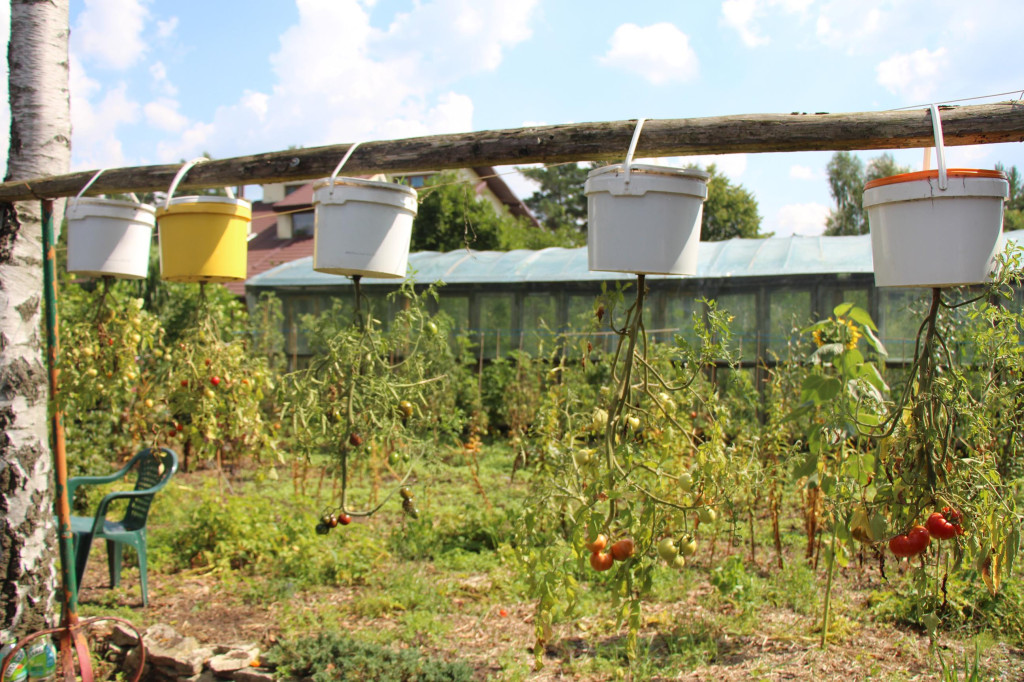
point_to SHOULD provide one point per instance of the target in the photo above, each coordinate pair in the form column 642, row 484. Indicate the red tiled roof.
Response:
column 266, row 251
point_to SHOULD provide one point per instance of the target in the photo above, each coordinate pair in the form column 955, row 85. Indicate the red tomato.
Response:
column 601, row 561
column 898, row 546
column 215, row 380
column 941, row 528
column 918, row 540
column 344, row 519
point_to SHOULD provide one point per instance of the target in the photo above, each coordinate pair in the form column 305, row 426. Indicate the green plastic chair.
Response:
column 153, row 468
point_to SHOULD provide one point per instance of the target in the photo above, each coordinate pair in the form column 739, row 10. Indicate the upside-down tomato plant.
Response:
column 620, row 476
column 375, row 401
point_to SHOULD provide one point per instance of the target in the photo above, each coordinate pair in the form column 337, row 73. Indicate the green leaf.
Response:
column 861, row 317
column 819, row 389
column 850, row 362
column 807, row 467
column 879, row 527
column 875, row 342
column 870, row 373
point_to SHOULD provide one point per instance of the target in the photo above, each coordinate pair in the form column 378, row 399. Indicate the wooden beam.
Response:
column 607, row 141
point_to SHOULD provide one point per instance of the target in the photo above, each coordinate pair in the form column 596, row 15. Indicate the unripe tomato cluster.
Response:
column 332, row 520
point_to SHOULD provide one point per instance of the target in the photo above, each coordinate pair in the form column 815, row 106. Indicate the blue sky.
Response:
column 155, row 82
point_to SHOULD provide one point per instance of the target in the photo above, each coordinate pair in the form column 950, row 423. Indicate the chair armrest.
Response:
column 76, row 481
column 101, row 511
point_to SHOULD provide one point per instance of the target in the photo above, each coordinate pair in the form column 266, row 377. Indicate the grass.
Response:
column 438, row 586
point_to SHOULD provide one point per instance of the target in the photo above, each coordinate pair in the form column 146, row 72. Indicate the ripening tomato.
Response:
column 598, row 543
column 355, row 440
column 344, row 519
column 601, row 561
column 623, row 549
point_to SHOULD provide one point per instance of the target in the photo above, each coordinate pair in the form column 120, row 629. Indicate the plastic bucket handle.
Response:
column 628, row 165
column 344, row 160
column 940, row 151
column 94, row 179
column 181, row 174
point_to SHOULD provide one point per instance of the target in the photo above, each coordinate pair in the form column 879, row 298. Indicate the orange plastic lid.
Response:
column 929, row 174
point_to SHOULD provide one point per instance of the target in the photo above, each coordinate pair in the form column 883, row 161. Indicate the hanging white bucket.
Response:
column 924, row 236
column 645, row 219
column 109, row 237
column 363, row 227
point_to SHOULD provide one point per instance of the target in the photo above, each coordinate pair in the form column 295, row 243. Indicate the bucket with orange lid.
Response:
column 935, row 228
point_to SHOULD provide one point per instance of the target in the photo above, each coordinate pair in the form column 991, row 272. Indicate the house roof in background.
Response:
column 266, row 251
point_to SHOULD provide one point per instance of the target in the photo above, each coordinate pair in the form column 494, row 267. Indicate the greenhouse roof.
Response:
column 775, row 256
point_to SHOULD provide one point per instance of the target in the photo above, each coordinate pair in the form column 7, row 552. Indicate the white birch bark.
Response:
column 40, row 144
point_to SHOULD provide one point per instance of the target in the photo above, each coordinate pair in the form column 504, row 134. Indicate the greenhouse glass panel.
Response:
column 496, row 328
column 743, row 308
column 788, row 313
column 582, row 317
column 539, row 323
column 901, row 312
column 457, row 308
column 679, row 312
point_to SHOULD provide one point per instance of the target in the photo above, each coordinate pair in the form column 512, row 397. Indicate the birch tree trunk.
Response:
column 40, row 144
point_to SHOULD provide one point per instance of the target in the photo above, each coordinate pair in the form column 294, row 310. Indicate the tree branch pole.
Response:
column 603, row 141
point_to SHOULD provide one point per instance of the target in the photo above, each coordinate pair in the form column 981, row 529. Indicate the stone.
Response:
column 253, row 675
column 165, row 648
column 236, row 659
column 123, row 636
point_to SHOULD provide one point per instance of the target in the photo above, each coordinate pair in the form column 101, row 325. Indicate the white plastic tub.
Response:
column 923, row 236
column 109, row 237
column 645, row 219
column 363, row 227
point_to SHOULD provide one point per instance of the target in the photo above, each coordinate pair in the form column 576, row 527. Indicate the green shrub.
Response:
column 332, row 657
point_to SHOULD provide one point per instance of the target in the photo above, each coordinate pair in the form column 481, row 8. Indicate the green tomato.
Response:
column 583, row 457
column 667, row 550
column 707, row 515
column 686, row 482
column 688, row 545
column 678, row 563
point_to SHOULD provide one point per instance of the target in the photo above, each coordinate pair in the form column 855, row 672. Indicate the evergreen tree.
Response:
column 559, row 203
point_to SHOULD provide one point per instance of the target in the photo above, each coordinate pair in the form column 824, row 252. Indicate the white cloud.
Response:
column 161, row 83
column 916, row 76
column 166, row 28
column 800, row 219
column 455, row 37
column 731, row 165
column 802, row 173
column 95, row 125
column 163, row 114
column 340, row 79
column 660, row 53
column 739, row 14
column 744, row 16
column 110, row 32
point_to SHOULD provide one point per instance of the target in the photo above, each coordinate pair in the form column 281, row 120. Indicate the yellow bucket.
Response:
column 204, row 239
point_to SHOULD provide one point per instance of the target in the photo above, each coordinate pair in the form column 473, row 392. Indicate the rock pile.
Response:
column 172, row 657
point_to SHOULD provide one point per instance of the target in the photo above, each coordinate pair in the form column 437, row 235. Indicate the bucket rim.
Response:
column 326, row 183
column 209, row 199
column 651, row 169
column 75, row 202
column 934, row 175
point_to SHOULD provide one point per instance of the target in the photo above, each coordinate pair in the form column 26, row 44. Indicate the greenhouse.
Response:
column 522, row 299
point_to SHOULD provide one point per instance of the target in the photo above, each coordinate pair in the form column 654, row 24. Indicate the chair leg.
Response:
column 82, row 547
column 115, row 551
column 142, row 572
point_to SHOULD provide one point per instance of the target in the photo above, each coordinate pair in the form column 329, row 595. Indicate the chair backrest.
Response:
column 153, row 469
